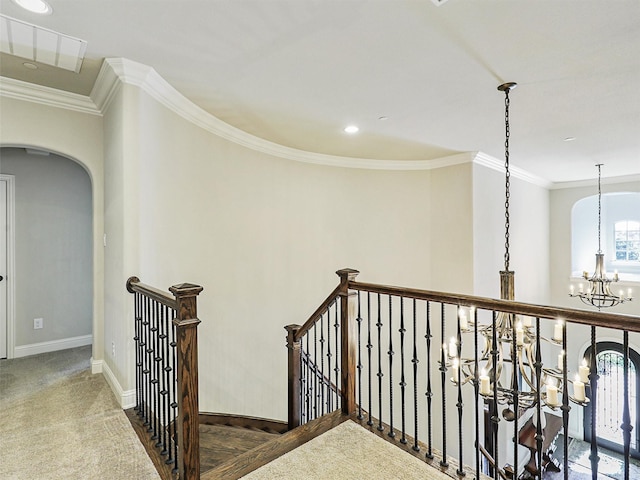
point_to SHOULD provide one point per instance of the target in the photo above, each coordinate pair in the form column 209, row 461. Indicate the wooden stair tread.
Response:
column 220, row 443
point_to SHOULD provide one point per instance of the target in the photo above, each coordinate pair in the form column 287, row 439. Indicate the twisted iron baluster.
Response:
column 626, row 417
column 593, row 380
column 538, row 367
column 165, row 371
column 174, row 398
column 136, row 338
column 369, row 347
column 476, row 388
column 309, row 379
column 359, row 366
column 429, row 393
column 415, row 362
column 380, row 374
column 391, row 433
column 323, row 382
column 403, row 384
column 443, row 377
column 459, row 404
column 515, row 388
column 336, row 325
column 155, row 355
column 315, row 372
column 329, row 355
column 565, row 403
column 495, row 419
column 147, row 365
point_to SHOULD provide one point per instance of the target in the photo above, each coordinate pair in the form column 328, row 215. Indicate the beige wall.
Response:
column 74, row 135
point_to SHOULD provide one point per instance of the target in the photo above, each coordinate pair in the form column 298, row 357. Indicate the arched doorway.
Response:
column 610, row 399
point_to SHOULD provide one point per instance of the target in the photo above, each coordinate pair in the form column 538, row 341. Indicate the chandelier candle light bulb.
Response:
column 485, row 386
column 519, row 334
column 578, row 389
column 557, row 331
column 583, row 371
column 464, row 325
column 456, row 366
column 453, row 350
column 552, row 393
column 561, row 360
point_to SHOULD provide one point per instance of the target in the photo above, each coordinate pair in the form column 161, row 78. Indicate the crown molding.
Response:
column 591, row 182
column 52, row 97
column 495, row 164
column 147, row 79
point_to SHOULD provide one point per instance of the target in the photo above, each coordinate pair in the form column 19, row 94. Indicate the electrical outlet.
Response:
column 38, row 323
column 113, row 349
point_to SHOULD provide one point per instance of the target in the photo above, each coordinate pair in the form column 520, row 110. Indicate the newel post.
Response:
column 294, row 348
column 186, row 323
column 348, row 333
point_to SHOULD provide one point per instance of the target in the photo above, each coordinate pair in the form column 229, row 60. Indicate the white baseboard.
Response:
column 96, row 366
column 126, row 398
column 52, row 346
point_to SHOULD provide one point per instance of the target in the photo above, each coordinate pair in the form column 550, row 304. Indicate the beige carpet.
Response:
column 57, row 421
column 347, row 452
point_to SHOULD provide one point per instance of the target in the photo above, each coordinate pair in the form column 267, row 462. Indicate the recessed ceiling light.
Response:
column 36, row 6
column 30, row 66
column 351, row 129
column 569, row 139
column 383, row 118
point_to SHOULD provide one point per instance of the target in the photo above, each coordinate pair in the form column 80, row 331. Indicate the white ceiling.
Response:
column 297, row 71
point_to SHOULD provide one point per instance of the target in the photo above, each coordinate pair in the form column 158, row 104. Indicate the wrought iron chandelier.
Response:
column 511, row 347
column 598, row 294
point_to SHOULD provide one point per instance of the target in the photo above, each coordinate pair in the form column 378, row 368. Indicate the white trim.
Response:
column 591, row 182
column 498, row 165
column 96, row 366
column 52, row 346
column 11, row 262
column 126, row 398
column 52, row 97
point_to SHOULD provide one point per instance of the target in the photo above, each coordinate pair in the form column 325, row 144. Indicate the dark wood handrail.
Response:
column 134, row 285
column 306, row 326
column 573, row 315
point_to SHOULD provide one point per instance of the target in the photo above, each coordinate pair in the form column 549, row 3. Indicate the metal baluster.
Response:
column 495, row 419
column 515, row 388
column 459, row 404
column 476, row 387
column 359, row 366
column 136, row 338
column 429, row 393
column 403, row 384
column 565, row 403
column 303, row 383
column 155, row 370
column 538, row 367
column 415, row 362
column 322, row 378
column 593, row 381
column 369, row 347
column 165, row 371
column 147, row 364
column 336, row 325
column 329, row 355
column 309, row 379
column 443, row 377
column 380, row 374
column 626, row 417
column 174, row 399
column 315, row 372
column 391, row 433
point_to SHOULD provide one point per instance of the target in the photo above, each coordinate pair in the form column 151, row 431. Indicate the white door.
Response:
column 4, row 300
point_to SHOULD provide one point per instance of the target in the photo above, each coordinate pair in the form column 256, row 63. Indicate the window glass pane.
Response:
column 634, row 255
column 621, row 255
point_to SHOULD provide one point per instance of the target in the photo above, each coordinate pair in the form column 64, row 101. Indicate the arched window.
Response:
column 610, row 400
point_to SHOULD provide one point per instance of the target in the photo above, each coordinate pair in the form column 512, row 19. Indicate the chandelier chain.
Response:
column 507, row 181
column 599, row 207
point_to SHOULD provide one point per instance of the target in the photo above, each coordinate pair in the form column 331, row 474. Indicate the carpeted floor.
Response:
column 58, row 421
column 347, row 452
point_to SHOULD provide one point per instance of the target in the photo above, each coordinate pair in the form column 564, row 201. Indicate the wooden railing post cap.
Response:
column 347, row 274
column 131, row 280
column 292, row 328
column 185, row 290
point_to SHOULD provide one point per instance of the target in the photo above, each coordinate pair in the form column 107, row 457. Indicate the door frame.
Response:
column 11, row 265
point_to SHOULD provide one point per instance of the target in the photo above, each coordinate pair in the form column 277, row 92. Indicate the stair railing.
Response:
column 378, row 343
column 166, row 351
